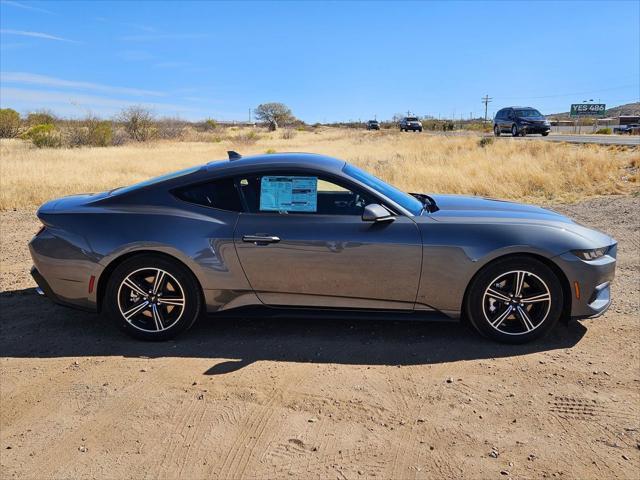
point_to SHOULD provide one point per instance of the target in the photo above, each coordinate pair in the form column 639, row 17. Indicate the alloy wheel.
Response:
column 151, row 299
column 516, row 302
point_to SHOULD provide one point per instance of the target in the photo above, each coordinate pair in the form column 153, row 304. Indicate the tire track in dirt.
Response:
column 249, row 440
column 62, row 452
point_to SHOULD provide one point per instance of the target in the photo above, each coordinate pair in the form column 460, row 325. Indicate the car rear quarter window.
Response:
column 221, row 194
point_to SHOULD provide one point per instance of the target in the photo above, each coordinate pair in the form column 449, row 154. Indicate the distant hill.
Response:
column 627, row 109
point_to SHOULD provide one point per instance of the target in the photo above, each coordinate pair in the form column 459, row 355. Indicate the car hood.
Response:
column 468, row 209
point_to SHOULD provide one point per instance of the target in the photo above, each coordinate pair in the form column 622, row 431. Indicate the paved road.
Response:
column 629, row 140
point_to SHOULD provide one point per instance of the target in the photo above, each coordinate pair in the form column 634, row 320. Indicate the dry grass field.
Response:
column 303, row 398
column 533, row 170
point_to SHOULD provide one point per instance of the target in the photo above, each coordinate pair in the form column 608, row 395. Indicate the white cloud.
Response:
column 25, row 7
column 135, row 55
column 77, row 104
column 164, row 36
column 45, row 36
column 43, row 80
column 171, row 64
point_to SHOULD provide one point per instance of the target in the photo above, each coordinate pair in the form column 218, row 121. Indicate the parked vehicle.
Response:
column 631, row 129
column 410, row 123
column 373, row 125
column 315, row 233
column 520, row 121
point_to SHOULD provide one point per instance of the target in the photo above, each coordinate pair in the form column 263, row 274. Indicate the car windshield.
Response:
column 403, row 199
column 152, row 181
column 528, row 112
column 412, row 119
column 373, row 121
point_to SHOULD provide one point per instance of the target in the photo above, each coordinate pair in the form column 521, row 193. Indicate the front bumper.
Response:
column 535, row 128
column 590, row 282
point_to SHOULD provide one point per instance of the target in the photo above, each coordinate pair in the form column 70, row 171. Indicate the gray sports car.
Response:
column 309, row 232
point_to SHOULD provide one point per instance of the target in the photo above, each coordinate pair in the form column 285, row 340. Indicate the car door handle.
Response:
column 258, row 239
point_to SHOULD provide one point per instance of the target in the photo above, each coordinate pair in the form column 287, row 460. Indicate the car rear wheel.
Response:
column 514, row 300
column 514, row 130
column 152, row 297
column 496, row 130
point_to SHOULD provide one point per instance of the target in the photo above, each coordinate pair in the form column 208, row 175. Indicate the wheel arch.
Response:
column 564, row 281
column 104, row 277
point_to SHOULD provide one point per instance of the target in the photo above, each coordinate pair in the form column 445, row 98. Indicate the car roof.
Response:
column 276, row 160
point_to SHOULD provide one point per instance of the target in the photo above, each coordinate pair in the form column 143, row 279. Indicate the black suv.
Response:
column 373, row 125
column 410, row 123
column 520, row 121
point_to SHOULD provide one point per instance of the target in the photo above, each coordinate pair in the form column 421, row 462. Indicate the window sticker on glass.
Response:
column 288, row 194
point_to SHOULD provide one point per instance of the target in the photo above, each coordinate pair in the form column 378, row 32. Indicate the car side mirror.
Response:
column 376, row 213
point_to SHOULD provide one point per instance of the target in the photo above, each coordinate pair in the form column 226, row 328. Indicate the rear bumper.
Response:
column 45, row 289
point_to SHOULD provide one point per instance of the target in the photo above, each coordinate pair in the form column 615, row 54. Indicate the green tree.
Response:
column 9, row 123
column 274, row 114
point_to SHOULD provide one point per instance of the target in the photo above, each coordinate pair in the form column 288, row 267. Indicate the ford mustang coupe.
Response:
column 306, row 231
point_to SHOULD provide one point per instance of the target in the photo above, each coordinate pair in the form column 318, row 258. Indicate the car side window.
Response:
column 300, row 194
column 221, row 194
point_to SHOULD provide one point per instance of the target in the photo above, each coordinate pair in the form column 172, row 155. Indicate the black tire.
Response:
column 175, row 282
column 496, row 130
column 544, row 134
column 514, row 130
column 538, row 317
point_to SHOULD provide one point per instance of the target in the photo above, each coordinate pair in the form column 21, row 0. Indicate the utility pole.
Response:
column 249, row 114
column 486, row 100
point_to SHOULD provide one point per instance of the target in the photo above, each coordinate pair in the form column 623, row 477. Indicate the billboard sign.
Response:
column 587, row 109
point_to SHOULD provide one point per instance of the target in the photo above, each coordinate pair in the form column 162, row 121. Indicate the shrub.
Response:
column 44, row 136
column 91, row 132
column 603, row 131
column 270, row 150
column 42, row 117
column 138, row 123
column 485, row 141
column 248, row 138
column 9, row 123
column 170, row 128
column 288, row 133
column 210, row 124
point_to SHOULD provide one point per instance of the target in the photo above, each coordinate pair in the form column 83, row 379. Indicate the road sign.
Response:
column 587, row 109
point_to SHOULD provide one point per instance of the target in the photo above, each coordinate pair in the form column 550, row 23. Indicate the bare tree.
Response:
column 138, row 122
column 274, row 114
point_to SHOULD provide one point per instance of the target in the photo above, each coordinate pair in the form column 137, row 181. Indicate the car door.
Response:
column 302, row 242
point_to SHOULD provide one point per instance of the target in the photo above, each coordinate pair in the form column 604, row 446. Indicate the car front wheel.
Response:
column 496, row 131
column 514, row 300
column 152, row 297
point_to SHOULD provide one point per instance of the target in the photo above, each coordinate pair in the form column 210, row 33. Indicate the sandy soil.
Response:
column 318, row 399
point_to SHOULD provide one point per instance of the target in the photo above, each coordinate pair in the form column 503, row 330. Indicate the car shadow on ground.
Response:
column 33, row 327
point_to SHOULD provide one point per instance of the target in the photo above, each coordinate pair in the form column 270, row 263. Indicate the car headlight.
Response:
column 592, row 254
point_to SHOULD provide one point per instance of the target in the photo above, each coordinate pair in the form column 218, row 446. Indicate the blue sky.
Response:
column 327, row 61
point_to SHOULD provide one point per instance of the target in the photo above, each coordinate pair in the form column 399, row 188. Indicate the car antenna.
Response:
column 233, row 155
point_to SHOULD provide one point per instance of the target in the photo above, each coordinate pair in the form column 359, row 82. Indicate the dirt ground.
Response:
column 316, row 398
